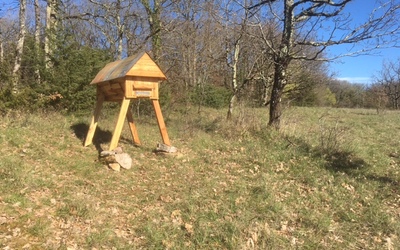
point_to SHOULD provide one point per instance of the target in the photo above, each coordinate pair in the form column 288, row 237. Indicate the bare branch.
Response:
column 313, row 10
column 260, row 4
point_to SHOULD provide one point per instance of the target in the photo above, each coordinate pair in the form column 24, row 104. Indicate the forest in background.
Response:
column 215, row 53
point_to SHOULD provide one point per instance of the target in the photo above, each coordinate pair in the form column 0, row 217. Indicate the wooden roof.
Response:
column 137, row 65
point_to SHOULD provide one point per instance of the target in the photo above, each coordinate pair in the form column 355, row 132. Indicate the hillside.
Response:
column 330, row 179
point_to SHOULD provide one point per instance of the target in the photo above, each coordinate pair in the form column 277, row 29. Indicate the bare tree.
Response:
column 52, row 16
column 20, row 44
column 377, row 98
column 8, row 33
column 235, row 24
column 320, row 24
column 1, row 46
column 244, row 59
column 153, row 10
column 194, row 45
column 113, row 25
column 389, row 79
column 37, row 38
column 184, row 40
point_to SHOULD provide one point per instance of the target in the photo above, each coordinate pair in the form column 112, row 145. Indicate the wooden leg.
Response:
column 120, row 123
column 161, row 124
column 95, row 119
column 132, row 126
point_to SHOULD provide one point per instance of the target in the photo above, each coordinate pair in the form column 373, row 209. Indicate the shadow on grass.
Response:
column 344, row 161
column 354, row 166
column 385, row 180
column 341, row 161
column 100, row 136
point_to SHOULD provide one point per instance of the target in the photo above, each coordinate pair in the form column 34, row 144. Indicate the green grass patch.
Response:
column 329, row 179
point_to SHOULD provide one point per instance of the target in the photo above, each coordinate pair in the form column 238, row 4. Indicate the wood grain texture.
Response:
column 137, row 65
column 161, row 124
column 120, row 123
column 94, row 120
column 132, row 127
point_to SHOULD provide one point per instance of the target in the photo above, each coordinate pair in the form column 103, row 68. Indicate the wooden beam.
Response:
column 161, row 124
column 132, row 126
column 95, row 119
column 118, row 128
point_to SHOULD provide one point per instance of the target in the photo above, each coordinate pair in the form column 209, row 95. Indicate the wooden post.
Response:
column 132, row 126
column 95, row 119
column 120, row 123
column 161, row 124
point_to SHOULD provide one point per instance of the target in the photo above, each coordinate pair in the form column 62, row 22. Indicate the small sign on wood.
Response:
column 134, row 77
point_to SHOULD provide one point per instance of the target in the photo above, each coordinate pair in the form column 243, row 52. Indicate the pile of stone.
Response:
column 116, row 159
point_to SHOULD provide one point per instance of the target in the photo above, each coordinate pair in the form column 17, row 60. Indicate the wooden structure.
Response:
column 134, row 77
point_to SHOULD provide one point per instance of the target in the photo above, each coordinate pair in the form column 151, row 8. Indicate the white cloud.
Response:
column 363, row 80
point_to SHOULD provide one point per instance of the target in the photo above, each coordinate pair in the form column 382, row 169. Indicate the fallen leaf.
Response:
column 189, row 229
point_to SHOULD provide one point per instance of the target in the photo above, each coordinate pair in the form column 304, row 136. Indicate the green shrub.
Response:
column 210, row 96
column 75, row 66
column 65, row 86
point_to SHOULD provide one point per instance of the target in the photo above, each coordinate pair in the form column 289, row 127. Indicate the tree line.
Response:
column 215, row 53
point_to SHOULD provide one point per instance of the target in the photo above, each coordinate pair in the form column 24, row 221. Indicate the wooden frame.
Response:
column 131, row 78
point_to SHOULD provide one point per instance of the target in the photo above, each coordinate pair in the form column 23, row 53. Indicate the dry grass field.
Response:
column 328, row 180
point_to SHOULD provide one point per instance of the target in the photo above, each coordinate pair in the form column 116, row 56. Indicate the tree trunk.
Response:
column 154, row 19
column 265, row 91
column 231, row 106
column 51, row 24
column 37, row 39
column 234, row 78
column 282, row 60
column 1, row 49
column 155, row 28
column 275, row 110
column 121, row 31
column 20, row 44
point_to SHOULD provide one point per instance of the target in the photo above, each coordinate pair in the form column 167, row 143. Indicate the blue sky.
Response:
column 362, row 68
